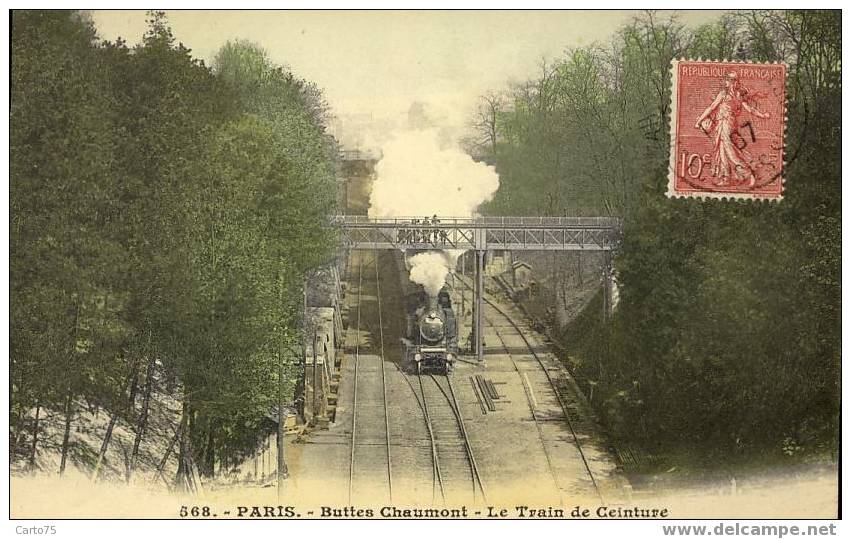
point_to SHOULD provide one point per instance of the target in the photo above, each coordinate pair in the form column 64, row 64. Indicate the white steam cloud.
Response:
column 417, row 177
column 420, row 177
column 430, row 269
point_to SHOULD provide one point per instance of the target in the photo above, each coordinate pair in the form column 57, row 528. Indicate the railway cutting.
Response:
column 479, row 432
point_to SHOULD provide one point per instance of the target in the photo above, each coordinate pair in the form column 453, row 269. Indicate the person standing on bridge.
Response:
column 415, row 232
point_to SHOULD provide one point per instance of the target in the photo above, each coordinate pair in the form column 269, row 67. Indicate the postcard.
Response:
column 422, row 265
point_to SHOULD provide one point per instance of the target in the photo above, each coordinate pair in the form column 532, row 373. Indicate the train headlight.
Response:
column 417, row 357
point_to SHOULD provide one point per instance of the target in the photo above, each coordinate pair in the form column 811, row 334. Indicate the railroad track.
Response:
column 454, row 464
column 437, row 476
column 455, row 474
column 527, row 390
column 553, row 387
column 370, row 439
column 454, row 468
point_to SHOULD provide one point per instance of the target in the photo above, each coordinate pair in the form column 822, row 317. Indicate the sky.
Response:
column 373, row 65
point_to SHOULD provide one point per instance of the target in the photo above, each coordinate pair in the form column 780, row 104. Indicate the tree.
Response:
column 729, row 313
column 487, row 123
column 163, row 218
column 64, row 261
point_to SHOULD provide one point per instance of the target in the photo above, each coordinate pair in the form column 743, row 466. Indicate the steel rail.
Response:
column 436, row 478
column 468, row 448
column 383, row 380
column 558, row 397
column 463, row 426
column 435, row 467
column 527, row 391
column 554, row 388
column 355, row 390
column 435, row 456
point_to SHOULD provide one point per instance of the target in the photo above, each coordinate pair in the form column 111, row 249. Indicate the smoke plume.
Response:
column 422, row 174
column 417, row 177
column 430, row 270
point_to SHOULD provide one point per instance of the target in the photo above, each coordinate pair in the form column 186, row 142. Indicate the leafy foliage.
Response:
column 726, row 338
column 163, row 214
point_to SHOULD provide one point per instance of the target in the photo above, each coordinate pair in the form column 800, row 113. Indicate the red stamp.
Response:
column 728, row 124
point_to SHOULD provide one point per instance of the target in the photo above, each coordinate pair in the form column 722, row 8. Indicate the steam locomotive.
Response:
column 432, row 332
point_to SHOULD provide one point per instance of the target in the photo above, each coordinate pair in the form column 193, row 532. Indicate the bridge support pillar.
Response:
column 478, row 314
column 607, row 285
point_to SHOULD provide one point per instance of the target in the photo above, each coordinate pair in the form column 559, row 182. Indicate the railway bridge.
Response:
column 482, row 234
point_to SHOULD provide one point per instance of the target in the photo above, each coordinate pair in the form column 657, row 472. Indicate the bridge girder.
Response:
column 481, row 234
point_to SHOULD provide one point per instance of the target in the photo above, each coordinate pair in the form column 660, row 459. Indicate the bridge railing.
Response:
column 478, row 222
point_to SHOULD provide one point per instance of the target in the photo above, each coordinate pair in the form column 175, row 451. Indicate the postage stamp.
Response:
column 728, row 122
